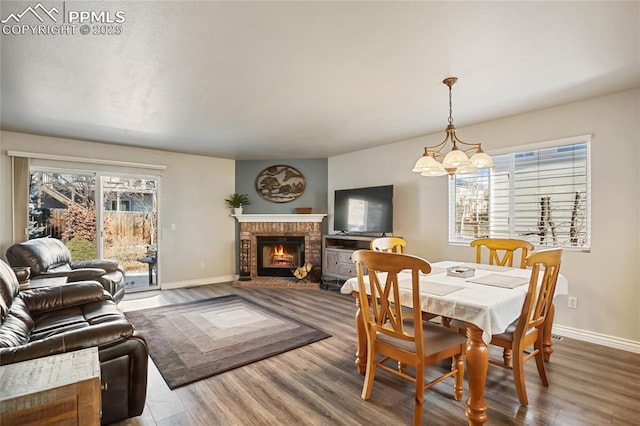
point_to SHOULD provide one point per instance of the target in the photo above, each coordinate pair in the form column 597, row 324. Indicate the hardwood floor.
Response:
column 318, row 384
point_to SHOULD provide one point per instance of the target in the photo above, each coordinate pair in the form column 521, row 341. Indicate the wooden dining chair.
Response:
column 393, row 342
column 388, row 244
column 501, row 253
column 502, row 250
column 527, row 330
column 396, row 245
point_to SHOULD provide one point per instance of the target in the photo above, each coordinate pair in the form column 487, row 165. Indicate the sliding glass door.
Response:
column 100, row 216
column 130, row 227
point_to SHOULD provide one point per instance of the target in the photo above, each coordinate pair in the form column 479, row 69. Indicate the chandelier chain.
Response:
column 450, row 107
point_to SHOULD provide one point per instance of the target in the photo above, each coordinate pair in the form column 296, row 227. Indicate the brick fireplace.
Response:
column 304, row 226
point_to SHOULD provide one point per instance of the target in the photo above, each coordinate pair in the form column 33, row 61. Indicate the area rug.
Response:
column 275, row 282
column 195, row 340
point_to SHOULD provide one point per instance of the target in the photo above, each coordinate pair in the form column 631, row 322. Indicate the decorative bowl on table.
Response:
column 461, row 271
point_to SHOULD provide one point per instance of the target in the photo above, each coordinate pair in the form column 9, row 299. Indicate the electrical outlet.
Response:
column 202, row 265
column 572, row 302
column 173, row 226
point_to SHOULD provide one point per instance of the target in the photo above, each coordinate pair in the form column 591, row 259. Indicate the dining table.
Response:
column 487, row 298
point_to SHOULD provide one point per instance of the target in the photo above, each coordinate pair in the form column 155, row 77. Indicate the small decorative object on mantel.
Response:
column 280, row 184
column 303, row 210
column 236, row 201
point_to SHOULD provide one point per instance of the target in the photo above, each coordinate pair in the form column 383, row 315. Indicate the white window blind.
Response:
column 539, row 195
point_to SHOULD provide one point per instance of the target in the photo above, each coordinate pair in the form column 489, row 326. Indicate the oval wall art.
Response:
column 280, row 184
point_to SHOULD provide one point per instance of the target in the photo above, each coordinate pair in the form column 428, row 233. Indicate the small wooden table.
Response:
column 60, row 389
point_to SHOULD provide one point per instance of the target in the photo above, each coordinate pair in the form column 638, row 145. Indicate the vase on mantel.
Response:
column 237, row 211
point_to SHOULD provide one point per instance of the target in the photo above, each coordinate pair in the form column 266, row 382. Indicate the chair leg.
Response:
column 419, row 398
column 518, row 377
column 507, row 355
column 446, row 321
column 458, row 364
column 539, row 346
column 370, row 373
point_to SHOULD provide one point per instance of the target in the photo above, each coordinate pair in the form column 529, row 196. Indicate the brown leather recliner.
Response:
column 49, row 257
column 51, row 320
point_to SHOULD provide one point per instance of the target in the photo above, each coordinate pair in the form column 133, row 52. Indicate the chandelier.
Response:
column 434, row 162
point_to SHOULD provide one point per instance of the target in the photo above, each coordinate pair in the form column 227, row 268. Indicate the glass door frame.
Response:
column 99, row 206
column 100, row 214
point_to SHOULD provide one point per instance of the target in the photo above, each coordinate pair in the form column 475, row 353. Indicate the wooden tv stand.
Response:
column 336, row 255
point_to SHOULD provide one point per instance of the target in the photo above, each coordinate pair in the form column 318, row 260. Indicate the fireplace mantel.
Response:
column 279, row 217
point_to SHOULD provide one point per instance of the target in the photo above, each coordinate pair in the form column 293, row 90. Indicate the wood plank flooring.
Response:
column 318, row 384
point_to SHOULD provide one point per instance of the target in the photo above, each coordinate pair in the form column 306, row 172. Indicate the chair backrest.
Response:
column 501, row 250
column 545, row 267
column 382, row 312
column 41, row 255
column 388, row 244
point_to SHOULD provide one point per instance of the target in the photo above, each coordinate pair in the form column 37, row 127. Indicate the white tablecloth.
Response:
column 491, row 308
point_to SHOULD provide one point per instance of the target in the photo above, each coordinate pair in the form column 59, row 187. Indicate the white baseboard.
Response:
column 597, row 338
column 198, row 282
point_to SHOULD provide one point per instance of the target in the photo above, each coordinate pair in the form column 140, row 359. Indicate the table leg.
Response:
column 547, row 342
column 150, row 273
column 361, row 351
column 477, row 367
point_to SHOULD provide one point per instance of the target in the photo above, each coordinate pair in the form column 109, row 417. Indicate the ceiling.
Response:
column 274, row 80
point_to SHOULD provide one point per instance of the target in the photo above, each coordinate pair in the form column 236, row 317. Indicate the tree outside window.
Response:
column 539, row 195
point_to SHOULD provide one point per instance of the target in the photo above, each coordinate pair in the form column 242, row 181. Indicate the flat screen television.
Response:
column 364, row 210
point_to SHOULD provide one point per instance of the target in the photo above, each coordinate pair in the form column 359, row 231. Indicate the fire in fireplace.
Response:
column 278, row 255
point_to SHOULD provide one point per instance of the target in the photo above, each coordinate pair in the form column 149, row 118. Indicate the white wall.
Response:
column 192, row 193
column 606, row 281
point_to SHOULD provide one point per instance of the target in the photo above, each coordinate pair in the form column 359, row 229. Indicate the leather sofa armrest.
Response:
column 74, row 274
column 84, row 274
column 51, row 274
column 105, row 334
column 107, row 264
column 62, row 296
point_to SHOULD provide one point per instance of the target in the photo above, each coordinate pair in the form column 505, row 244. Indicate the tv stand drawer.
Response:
column 347, row 270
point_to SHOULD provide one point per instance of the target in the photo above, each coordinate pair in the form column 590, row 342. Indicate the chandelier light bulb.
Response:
column 434, row 173
column 455, row 159
column 482, row 160
column 425, row 162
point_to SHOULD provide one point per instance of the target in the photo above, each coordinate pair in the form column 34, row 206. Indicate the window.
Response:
column 538, row 195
